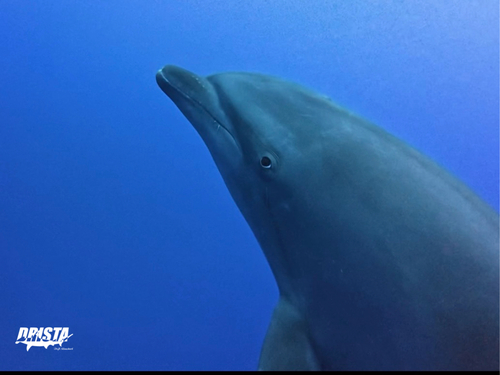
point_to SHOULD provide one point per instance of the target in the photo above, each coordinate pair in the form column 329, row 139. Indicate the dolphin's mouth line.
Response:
column 196, row 102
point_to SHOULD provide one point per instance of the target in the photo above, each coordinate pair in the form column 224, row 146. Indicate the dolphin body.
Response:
column 383, row 260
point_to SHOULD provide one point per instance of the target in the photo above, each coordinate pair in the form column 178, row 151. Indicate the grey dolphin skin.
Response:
column 383, row 260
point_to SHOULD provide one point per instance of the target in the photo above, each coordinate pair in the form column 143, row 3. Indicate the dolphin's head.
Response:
column 260, row 130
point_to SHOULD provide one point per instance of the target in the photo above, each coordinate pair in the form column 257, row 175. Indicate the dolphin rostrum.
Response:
column 383, row 260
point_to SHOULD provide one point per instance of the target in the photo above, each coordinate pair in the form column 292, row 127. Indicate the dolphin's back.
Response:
column 405, row 258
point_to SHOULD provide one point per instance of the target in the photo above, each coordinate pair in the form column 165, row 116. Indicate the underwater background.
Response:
column 114, row 220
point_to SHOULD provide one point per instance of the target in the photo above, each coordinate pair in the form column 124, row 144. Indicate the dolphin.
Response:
column 383, row 260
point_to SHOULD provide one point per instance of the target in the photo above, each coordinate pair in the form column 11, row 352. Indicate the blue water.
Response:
column 114, row 220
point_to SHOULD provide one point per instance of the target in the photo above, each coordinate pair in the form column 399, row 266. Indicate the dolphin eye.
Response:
column 265, row 162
